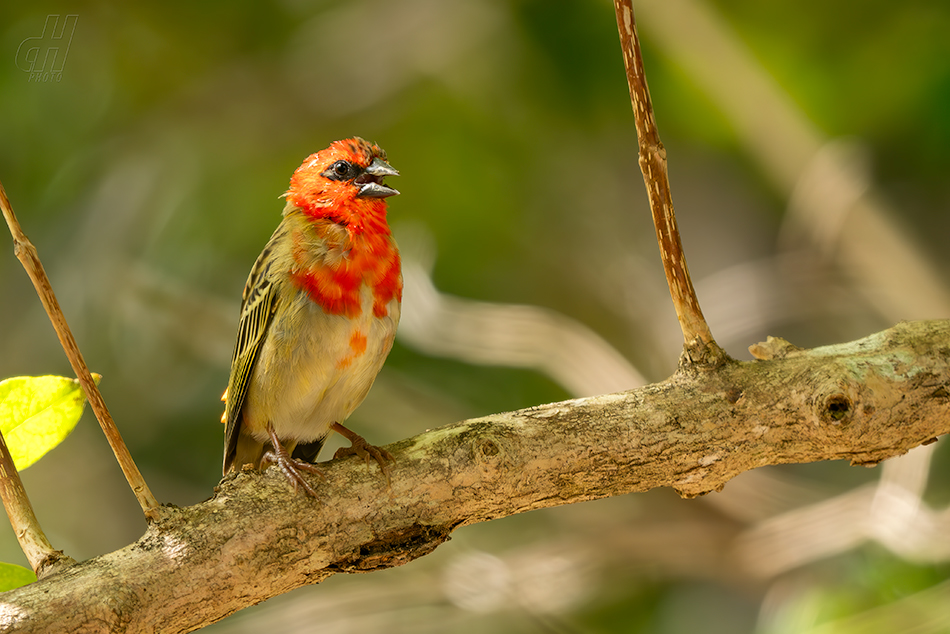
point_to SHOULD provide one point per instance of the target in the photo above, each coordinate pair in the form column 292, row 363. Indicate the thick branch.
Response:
column 863, row 401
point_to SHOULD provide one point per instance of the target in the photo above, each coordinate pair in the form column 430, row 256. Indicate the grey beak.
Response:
column 379, row 167
column 370, row 181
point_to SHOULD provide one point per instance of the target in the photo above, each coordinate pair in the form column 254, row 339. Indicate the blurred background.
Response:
column 808, row 147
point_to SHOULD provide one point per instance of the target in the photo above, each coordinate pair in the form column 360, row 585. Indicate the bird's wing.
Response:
column 257, row 308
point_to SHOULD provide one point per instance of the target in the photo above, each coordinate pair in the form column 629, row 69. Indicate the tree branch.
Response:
column 864, row 401
column 43, row 558
column 698, row 340
column 29, row 258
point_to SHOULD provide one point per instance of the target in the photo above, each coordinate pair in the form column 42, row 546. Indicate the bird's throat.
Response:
column 336, row 282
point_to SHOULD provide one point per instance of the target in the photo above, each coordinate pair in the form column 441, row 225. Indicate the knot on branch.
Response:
column 702, row 354
column 773, row 348
column 837, row 409
column 486, row 448
column 838, row 400
column 55, row 562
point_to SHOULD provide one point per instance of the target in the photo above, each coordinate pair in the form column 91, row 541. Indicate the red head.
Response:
column 344, row 183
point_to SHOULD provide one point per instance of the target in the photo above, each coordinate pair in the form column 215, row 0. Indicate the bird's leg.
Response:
column 290, row 466
column 359, row 447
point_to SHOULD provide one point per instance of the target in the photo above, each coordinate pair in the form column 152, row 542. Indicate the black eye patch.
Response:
column 342, row 171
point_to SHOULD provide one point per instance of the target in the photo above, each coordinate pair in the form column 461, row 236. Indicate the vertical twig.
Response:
column 26, row 253
column 43, row 558
column 696, row 334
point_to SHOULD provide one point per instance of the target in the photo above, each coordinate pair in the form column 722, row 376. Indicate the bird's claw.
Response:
column 359, row 447
column 291, row 467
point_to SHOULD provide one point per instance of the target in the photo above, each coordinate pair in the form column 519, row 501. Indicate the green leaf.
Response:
column 13, row 576
column 37, row 413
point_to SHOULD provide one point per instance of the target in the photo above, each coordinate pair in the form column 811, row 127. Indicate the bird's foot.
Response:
column 291, row 467
column 359, row 447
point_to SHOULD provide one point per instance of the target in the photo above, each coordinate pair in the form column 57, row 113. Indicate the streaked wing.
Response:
column 257, row 308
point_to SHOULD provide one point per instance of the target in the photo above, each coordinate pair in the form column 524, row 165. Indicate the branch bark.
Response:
column 863, row 401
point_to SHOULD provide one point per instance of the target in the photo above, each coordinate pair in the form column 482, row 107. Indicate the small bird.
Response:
column 318, row 316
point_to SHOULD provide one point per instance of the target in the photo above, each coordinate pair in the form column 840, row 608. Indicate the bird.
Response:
column 318, row 317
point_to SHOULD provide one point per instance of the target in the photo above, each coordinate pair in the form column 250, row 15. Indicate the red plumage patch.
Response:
column 388, row 288
column 336, row 294
column 372, row 260
column 357, row 348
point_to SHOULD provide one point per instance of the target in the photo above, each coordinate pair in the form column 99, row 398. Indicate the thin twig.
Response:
column 696, row 333
column 43, row 558
column 26, row 253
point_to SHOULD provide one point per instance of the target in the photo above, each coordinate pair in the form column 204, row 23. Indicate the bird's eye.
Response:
column 340, row 171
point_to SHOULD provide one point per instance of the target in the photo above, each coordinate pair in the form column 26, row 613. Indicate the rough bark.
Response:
column 863, row 401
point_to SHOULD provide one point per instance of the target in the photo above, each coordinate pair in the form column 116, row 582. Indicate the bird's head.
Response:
column 342, row 181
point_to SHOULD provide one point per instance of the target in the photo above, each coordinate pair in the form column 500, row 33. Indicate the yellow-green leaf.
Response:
column 37, row 413
column 13, row 576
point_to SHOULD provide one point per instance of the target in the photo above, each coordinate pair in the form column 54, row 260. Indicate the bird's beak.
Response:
column 371, row 180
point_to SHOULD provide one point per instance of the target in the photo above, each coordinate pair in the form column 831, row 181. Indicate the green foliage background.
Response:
column 148, row 176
